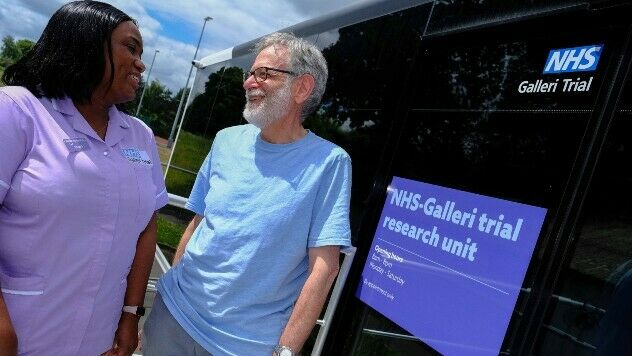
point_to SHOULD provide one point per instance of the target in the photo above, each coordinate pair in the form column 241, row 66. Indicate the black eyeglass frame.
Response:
column 247, row 74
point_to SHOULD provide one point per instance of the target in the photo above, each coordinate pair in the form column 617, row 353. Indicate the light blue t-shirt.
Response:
column 264, row 205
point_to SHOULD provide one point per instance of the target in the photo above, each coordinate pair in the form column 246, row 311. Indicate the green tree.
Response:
column 158, row 110
column 219, row 106
column 12, row 51
column 24, row 46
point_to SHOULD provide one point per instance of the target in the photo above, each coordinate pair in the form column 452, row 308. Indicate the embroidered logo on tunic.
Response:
column 136, row 155
column 76, row 144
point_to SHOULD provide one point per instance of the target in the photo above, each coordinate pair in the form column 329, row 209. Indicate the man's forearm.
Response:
column 186, row 236
column 310, row 301
column 303, row 319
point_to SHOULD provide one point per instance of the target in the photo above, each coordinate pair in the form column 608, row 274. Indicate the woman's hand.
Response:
column 126, row 337
column 8, row 339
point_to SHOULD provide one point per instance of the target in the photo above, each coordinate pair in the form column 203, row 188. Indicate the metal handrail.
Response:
column 324, row 324
column 349, row 254
column 177, row 200
column 570, row 337
column 391, row 335
column 162, row 260
column 179, row 169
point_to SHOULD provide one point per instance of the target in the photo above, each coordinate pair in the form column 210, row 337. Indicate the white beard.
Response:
column 270, row 108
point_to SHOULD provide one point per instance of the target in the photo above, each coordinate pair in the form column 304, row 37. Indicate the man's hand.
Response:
column 126, row 337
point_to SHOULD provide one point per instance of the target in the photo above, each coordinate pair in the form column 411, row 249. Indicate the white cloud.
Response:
column 19, row 20
column 234, row 22
column 42, row 7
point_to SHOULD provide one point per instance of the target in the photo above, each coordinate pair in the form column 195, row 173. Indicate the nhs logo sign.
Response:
column 576, row 59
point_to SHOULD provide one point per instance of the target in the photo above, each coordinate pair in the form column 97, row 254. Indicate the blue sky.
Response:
column 176, row 29
column 174, row 26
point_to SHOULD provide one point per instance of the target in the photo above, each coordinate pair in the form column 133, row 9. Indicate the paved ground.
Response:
column 163, row 150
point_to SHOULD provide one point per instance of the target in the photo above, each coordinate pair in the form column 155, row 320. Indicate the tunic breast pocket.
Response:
column 146, row 193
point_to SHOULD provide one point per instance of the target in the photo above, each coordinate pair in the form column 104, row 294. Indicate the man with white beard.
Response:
column 255, row 265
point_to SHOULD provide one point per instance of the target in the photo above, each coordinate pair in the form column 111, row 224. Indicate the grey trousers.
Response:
column 163, row 336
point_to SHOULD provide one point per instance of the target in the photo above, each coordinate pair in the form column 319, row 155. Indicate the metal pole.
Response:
column 140, row 102
column 175, row 142
column 175, row 120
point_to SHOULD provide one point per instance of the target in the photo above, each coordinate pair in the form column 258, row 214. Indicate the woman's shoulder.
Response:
column 18, row 110
column 17, row 92
column 15, row 99
column 17, row 95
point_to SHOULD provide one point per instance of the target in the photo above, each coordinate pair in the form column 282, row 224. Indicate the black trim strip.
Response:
column 560, row 245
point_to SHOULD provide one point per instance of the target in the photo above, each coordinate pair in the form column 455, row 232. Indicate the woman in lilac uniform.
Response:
column 79, row 184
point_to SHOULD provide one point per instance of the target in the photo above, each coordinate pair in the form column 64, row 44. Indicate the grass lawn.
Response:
column 190, row 153
column 169, row 232
column 602, row 248
column 179, row 183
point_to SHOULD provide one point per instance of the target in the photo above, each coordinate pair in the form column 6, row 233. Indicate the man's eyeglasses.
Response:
column 261, row 73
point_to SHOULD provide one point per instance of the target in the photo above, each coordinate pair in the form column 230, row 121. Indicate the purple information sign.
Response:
column 447, row 265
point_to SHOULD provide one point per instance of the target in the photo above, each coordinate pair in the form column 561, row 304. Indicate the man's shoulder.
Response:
column 228, row 136
column 330, row 149
column 234, row 131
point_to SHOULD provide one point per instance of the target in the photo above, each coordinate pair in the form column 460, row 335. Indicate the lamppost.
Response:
column 184, row 91
column 140, row 102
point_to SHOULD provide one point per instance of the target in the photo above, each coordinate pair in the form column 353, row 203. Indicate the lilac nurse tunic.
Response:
column 72, row 208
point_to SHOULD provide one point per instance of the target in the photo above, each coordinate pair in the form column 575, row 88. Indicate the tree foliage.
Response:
column 158, row 109
column 12, row 51
column 219, row 106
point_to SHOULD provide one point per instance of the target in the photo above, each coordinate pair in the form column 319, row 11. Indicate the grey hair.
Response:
column 305, row 58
